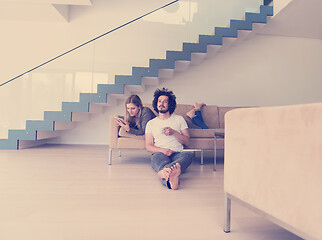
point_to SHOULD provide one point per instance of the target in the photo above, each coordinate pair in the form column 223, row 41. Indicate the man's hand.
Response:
column 168, row 131
column 167, row 152
column 183, row 138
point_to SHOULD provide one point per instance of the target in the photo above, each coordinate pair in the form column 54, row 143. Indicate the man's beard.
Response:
column 165, row 110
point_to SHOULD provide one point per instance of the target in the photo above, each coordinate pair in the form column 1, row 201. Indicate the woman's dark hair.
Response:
column 169, row 94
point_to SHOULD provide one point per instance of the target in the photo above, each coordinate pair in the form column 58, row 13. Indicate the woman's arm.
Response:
column 146, row 116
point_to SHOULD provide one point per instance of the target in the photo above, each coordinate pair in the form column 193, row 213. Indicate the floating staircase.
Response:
column 55, row 122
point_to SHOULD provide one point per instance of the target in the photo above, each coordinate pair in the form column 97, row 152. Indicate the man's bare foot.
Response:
column 198, row 105
column 164, row 173
column 174, row 176
column 191, row 113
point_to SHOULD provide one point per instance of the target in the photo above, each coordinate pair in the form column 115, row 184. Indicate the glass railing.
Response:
column 115, row 52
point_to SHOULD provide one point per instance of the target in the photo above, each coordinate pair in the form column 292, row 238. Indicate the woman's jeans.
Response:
column 198, row 120
column 160, row 161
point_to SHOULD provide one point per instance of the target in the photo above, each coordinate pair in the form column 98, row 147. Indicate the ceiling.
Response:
column 301, row 18
column 39, row 10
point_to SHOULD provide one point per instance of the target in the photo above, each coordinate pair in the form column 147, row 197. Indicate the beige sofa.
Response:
column 273, row 163
column 201, row 139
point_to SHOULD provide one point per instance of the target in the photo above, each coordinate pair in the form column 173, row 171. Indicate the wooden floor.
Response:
column 64, row 192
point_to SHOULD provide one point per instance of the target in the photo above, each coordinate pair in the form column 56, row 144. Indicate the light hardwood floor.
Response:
column 65, row 192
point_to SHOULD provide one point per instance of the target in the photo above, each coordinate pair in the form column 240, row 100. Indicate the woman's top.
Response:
column 146, row 115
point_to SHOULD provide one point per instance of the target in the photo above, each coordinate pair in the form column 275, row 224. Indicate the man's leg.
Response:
column 173, row 181
column 183, row 158
column 180, row 162
column 160, row 163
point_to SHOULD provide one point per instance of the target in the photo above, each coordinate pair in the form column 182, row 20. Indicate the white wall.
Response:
column 262, row 71
column 266, row 70
column 26, row 44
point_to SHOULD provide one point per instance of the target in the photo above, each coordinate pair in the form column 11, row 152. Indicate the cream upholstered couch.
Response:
column 273, row 163
column 200, row 139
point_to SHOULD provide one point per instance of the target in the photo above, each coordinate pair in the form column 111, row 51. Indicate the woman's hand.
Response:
column 123, row 124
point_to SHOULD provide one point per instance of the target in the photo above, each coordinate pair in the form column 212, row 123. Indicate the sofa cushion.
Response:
column 182, row 110
column 131, row 143
column 209, row 114
column 150, row 106
column 125, row 134
column 222, row 111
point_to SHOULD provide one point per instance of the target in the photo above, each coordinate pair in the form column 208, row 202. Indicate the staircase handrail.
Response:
column 92, row 40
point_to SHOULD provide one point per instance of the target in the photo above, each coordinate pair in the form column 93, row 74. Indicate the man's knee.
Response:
column 188, row 156
column 184, row 158
column 158, row 161
column 159, row 157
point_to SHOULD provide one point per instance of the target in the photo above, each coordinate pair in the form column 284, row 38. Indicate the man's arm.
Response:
column 183, row 137
column 149, row 145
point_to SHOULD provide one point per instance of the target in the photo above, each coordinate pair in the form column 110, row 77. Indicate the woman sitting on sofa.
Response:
column 136, row 116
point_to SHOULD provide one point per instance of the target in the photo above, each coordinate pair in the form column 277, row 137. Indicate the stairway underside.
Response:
column 55, row 122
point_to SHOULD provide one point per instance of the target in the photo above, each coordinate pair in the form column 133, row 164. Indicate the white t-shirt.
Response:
column 156, row 126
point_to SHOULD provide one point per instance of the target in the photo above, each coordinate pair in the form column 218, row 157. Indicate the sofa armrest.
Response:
column 114, row 131
column 273, row 163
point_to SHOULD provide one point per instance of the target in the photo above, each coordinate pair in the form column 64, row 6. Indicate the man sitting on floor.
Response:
column 165, row 136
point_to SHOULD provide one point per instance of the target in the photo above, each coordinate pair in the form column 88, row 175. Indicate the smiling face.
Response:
column 163, row 104
column 132, row 109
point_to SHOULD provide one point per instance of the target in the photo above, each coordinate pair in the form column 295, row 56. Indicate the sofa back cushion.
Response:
column 210, row 116
column 209, row 113
column 123, row 133
column 222, row 111
column 182, row 110
column 150, row 106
